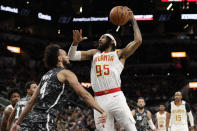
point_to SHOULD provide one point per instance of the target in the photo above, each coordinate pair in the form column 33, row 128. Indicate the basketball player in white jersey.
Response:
column 178, row 110
column 14, row 97
column 107, row 65
column 160, row 117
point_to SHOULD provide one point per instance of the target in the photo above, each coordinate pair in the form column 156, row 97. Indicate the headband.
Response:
column 112, row 38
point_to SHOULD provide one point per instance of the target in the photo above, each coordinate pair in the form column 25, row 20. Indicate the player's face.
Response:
column 65, row 58
column 178, row 96
column 15, row 97
column 32, row 89
column 103, row 43
column 141, row 103
column 161, row 107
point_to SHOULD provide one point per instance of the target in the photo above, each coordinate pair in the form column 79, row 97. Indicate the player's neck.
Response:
column 13, row 105
column 28, row 95
column 109, row 49
column 161, row 112
column 177, row 103
column 140, row 110
column 60, row 64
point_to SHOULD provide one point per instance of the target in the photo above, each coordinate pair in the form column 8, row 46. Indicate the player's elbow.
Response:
column 139, row 41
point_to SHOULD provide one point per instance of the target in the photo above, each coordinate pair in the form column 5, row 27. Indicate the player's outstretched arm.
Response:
column 67, row 76
column 132, row 46
column 79, row 55
column 6, row 115
column 150, row 122
column 11, row 119
column 27, row 109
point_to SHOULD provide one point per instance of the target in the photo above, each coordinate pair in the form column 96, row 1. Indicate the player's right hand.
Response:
column 15, row 127
column 102, row 119
column 77, row 37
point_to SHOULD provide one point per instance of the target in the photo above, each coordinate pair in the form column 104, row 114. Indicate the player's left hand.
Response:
column 192, row 128
column 102, row 119
column 131, row 16
column 15, row 128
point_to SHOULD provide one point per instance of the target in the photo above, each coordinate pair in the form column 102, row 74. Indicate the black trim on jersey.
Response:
column 187, row 106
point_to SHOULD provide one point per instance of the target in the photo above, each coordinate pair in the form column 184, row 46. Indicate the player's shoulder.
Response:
column 66, row 72
column 8, row 109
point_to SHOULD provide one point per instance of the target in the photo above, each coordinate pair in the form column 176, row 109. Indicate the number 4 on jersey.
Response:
column 102, row 70
column 42, row 90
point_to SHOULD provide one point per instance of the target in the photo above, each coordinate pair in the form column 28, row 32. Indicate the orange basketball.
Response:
column 119, row 15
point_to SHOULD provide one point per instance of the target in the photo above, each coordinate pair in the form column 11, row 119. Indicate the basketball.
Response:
column 119, row 15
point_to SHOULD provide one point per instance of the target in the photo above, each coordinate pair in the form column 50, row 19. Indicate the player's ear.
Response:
column 59, row 58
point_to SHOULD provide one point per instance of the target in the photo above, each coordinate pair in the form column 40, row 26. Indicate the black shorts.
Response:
column 37, row 121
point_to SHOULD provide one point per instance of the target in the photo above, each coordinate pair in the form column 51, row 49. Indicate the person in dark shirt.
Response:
column 47, row 99
column 142, row 116
column 20, row 105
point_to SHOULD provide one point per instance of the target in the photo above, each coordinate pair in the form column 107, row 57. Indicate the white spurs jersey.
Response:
column 161, row 121
column 105, row 71
column 178, row 114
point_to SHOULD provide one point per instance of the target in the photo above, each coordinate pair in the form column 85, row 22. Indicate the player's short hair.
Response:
column 12, row 91
column 28, row 84
column 51, row 55
column 140, row 98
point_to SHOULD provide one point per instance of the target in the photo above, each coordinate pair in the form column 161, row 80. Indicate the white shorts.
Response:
column 161, row 129
column 115, row 106
column 179, row 128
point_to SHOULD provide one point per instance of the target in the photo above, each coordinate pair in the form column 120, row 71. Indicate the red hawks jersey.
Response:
column 105, row 71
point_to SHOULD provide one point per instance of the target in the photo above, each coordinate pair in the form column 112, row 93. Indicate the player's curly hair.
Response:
column 51, row 55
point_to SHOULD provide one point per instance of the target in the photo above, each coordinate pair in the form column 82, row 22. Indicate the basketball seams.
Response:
column 119, row 15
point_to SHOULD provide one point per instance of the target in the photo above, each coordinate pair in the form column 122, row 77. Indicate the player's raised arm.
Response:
column 79, row 55
column 132, row 46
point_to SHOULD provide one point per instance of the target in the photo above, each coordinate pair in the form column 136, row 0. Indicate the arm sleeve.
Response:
column 74, row 54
